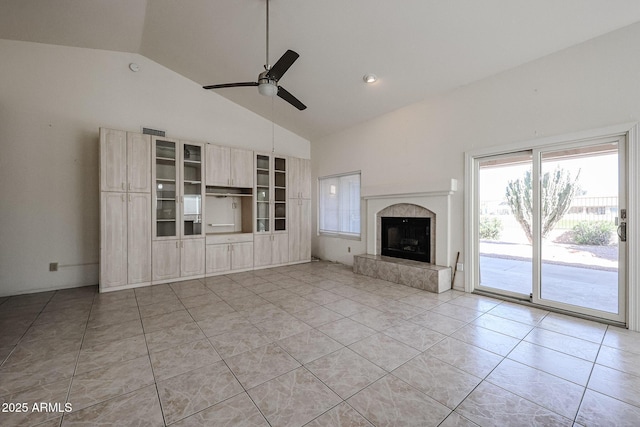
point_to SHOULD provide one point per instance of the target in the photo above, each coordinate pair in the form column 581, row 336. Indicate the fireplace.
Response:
column 433, row 275
column 408, row 238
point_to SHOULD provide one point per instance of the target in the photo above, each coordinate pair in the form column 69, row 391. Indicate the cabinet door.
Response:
column 294, row 230
column 280, row 248
column 166, row 259
column 113, row 240
column 113, row 160
column 192, row 257
column 299, row 173
column 280, row 194
column 263, row 194
column 304, row 230
column 138, row 162
column 242, row 255
column 192, row 190
column 218, row 258
column 294, row 177
column 166, row 210
column 241, row 168
column 139, row 237
column 304, row 178
column 218, row 160
column 300, row 230
column 262, row 250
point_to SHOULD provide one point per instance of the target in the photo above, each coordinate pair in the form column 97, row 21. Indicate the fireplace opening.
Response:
column 408, row 238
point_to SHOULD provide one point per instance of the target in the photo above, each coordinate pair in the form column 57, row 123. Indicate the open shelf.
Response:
column 228, row 191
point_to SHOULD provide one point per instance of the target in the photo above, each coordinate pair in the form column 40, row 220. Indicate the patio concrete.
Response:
column 581, row 286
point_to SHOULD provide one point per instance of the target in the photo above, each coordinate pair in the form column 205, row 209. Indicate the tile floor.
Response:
column 313, row 345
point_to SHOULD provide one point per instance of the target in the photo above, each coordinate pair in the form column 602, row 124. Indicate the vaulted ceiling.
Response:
column 417, row 48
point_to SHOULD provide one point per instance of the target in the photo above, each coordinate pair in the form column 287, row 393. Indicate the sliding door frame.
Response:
column 536, row 294
column 631, row 270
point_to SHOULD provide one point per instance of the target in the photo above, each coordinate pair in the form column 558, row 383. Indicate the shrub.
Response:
column 490, row 227
column 593, row 232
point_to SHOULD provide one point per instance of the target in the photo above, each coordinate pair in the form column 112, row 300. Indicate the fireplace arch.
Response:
column 407, row 210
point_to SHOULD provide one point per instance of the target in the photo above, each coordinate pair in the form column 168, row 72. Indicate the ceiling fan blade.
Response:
column 230, row 85
column 283, row 64
column 284, row 94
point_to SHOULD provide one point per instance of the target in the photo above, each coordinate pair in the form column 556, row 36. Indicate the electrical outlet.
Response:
column 349, row 249
column 53, row 266
column 460, row 266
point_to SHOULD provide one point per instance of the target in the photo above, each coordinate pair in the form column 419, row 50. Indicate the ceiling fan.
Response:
column 268, row 79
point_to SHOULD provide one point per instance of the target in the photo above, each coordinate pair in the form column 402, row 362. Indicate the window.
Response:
column 340, row 205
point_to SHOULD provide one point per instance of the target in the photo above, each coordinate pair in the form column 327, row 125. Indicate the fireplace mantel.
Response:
column 438, row 201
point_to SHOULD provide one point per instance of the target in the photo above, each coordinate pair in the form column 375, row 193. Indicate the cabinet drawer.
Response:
column 216, row 239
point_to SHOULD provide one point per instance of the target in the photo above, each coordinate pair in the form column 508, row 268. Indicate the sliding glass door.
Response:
column 551, row 226
column 505, row 254
column 581, row 202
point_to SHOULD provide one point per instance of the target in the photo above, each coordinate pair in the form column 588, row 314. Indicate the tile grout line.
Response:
column 155, row 381
column 586, row 386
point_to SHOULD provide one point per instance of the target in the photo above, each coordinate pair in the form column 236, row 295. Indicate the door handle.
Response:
column 622, row 231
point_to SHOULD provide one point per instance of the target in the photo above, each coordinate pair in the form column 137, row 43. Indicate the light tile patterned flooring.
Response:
column 311, row 344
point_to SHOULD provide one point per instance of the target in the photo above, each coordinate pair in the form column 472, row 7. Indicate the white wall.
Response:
column 422, row 146
column 53, row 99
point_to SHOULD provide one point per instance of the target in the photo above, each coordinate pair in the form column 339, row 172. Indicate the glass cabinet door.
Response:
column 165, row 187
column 280, row 196
column 192, row 190
column 262, row 193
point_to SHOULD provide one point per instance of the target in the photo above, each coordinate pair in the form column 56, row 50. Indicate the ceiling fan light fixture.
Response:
column 370, row 78
column 267, row 89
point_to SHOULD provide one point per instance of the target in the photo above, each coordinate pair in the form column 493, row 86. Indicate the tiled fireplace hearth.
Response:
column 421, row 275
column 434, row 276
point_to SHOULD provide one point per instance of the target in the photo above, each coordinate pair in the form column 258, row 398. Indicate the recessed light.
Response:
column 369, row 78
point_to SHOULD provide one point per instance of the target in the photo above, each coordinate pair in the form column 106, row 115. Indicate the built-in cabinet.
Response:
column 299, row 175
column 299, row 230
column 270, row 249
column 229, row 167
column 229, row 252
column 125, row 162
column 166, row 259
column 177, row 174
column 173, row 209
column 125, row 217
column 271, row 245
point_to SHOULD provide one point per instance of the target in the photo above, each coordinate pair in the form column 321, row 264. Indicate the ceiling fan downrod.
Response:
column 266, row 62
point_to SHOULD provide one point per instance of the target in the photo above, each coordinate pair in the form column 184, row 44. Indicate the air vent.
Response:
column 153, row 132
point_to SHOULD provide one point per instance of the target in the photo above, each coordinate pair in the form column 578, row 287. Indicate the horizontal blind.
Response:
column 340, row 205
